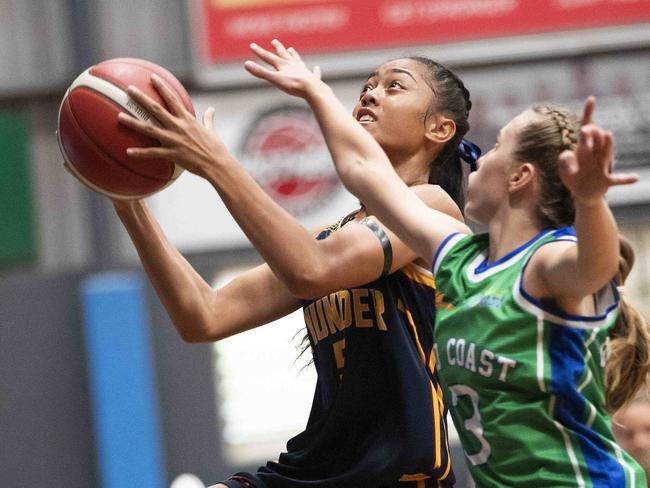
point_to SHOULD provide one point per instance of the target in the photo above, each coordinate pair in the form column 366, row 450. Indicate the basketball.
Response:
column 94, row 143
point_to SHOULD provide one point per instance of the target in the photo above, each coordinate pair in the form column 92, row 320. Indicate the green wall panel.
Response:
column 17, row 234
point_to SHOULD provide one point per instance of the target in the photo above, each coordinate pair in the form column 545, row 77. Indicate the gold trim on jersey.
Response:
column 409, row 317
column 436, row 403
column 440, row 301
column 414, row 477
column 341, row 222
column 418, row 274
column 432, row 360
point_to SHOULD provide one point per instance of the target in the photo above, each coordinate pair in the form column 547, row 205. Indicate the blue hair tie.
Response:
column 469, row 152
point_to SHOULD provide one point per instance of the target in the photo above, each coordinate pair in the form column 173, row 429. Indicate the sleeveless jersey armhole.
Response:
column 606, row 300
column 450, row 241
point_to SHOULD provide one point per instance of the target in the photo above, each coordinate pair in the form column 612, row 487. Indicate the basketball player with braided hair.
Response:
column 525, row 311
column 377, row 418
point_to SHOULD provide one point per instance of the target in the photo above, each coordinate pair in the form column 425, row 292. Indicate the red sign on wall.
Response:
column 327, row 26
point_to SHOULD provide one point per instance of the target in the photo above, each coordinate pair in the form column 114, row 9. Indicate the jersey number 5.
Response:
column 472, row 424
column 339, row 357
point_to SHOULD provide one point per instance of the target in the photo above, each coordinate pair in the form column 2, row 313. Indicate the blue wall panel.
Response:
column 122, row 381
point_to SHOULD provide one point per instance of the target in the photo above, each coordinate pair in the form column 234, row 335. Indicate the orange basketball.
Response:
column 94, row 143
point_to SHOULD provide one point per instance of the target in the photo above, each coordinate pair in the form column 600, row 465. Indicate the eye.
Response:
column 395, row 84
column 365, row 89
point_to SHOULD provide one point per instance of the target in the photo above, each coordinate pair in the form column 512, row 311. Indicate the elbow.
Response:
column 308, row 284
column 193, row 332
column 195, row 328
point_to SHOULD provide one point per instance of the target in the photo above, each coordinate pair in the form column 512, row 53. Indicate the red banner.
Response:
column 327, row 26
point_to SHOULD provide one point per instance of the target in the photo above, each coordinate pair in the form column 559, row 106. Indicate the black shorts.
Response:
column 247, row 480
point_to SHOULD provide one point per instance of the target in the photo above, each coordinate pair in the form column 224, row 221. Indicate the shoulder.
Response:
column 436, row 197
column 547, row 257
column 553, row 247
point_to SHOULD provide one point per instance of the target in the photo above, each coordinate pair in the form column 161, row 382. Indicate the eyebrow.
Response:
column 394, row 70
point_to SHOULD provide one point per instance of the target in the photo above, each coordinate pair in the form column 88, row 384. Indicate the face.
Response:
column 393, row 104
column 632, row 430
column 487, row 188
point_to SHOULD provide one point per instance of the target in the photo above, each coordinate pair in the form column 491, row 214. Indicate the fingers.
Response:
column 266, row 56
column 150, row 105
column 259, row 71
column 158, row 152
column 568, row 163
column 208, row 118
column 586, row 139
column 588, row 111
column 623, row 179
column 608, row 150
column 294, row 53
column 596, row 142
column 146, row 128
column 597, row 138
column 280, row 49
column 171, row 100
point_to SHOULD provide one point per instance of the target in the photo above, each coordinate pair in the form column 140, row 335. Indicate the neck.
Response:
column 413, row 169
column 509, row 229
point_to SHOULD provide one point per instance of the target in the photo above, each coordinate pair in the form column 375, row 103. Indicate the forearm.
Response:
column 286, row 246
column 180, row 288
column 354, row 151
column 598, row 243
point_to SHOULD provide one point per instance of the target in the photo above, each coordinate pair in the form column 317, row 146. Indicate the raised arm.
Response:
column 360, row 162
column 309, row 268
column 581, row 270
column 199, row 312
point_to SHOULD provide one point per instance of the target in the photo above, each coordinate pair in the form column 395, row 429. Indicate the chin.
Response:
column 472, row 213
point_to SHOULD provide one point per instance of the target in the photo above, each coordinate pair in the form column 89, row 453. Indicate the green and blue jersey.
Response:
column 523, row 380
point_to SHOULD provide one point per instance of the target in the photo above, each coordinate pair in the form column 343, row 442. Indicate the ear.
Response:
column 522, row 177
column 440, row 129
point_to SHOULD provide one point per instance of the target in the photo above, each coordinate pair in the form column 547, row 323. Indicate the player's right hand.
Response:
column 289, row 73
column 586, row 171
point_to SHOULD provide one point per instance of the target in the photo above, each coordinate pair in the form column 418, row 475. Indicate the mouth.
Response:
column 365, row 115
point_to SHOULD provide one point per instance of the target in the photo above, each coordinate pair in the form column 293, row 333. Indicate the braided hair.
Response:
column 551, row 131
column 627, row 369
column 452, row 99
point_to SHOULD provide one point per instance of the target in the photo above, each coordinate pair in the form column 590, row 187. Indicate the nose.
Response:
column 369, row 98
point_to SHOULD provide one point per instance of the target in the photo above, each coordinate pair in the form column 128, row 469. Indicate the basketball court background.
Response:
column 55, row 235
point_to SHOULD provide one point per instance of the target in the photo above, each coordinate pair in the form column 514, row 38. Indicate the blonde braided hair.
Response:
column 566, row 126
column 627, row 368
column 551, row 131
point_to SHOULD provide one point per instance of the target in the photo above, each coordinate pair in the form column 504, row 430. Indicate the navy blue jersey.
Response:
column 377, row 416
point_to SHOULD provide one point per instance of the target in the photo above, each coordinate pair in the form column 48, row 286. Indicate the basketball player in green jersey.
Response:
column 527, row 329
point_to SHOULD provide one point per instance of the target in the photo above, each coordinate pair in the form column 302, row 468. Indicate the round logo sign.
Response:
column 284, row 151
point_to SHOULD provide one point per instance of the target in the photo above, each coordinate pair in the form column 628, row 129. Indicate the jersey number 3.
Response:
column 472, row 424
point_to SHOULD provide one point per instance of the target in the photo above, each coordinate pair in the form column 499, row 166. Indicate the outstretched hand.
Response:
column 587, row 171
column 182, row 138
column 288, row 72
